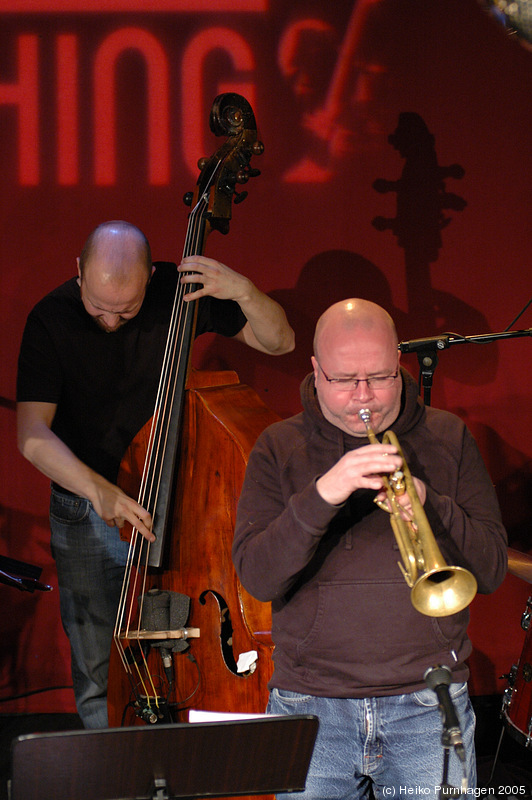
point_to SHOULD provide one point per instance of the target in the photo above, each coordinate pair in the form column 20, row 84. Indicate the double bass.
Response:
column 187, row 634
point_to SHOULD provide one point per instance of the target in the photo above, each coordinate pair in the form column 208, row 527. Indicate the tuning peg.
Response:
column 239, row 197
column 187, row 198
column 254, row 173
column 242, row 176
column 258, row 148
column 228, row 184
column 243, row 157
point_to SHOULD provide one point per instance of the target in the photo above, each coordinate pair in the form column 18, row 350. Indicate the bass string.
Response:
column 150, row 482
column 176, row 353
column 172, row 365
column 176, row 349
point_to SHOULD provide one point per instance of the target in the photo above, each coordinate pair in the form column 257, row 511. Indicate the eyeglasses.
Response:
column 376, row 382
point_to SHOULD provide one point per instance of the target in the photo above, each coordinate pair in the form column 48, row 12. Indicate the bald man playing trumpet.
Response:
column 350, row 647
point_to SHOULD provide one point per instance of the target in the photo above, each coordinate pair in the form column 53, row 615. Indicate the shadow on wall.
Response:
column 423, row 203
column 325, row 279
column 511, row 472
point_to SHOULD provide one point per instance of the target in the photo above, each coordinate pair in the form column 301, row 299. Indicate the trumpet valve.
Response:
column 397, row 482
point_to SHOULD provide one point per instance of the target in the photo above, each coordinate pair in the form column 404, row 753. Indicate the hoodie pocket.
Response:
column 367, row 632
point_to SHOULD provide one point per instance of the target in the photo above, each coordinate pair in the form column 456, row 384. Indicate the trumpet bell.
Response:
column 443, row 591
column 440, row 590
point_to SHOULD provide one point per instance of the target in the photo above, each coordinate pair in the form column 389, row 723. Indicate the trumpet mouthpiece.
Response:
column 364, row 414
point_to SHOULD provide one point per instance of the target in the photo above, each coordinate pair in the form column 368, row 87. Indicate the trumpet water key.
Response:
column 438, row 590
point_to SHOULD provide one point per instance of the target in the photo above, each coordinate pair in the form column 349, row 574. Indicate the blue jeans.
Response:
column 382, row 747
column 90, row 559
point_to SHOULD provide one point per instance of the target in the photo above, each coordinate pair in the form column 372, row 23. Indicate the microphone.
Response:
column 168, row 664
column 439, row 679
column 441, row 342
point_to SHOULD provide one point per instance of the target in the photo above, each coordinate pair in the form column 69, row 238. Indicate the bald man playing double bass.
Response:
column 349, row 645
column 89, row 368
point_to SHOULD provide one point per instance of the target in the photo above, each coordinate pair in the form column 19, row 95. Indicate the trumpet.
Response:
column 437, row 589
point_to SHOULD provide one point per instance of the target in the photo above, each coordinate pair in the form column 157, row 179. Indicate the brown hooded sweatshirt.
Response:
column 342, row 621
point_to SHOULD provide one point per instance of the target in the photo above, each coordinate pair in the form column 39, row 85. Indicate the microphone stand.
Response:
column 427, row 351
column 439, row 679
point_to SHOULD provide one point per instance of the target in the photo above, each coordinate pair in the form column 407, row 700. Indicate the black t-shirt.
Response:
column 105, row 384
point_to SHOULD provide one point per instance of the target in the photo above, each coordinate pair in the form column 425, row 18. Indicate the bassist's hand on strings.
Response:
column 40, row 445
column 116, row 508
column 267, row 328
column 215, row 278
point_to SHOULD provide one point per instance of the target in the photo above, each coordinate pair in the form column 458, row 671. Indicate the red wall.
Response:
column 103, row 114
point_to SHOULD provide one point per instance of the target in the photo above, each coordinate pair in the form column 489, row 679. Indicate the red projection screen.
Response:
column 397, row 167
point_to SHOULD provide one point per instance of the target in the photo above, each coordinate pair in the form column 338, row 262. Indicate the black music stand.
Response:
column 245, row 757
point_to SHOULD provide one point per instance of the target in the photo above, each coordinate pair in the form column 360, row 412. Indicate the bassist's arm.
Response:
column 267, row 328
column 40, row 445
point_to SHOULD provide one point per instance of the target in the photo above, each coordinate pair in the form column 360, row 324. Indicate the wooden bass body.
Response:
column 222, row 420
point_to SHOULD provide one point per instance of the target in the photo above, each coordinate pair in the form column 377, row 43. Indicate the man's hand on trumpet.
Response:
column 358, row 469
column 364, row 469
column 403, row 500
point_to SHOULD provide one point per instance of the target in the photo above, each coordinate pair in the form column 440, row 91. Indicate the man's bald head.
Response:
column 350, row 316
column 356, row 342
column 117, row 247
column 114, row 272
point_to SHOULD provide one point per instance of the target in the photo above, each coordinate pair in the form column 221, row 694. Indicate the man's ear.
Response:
column 79, row 271
column 315, row 368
